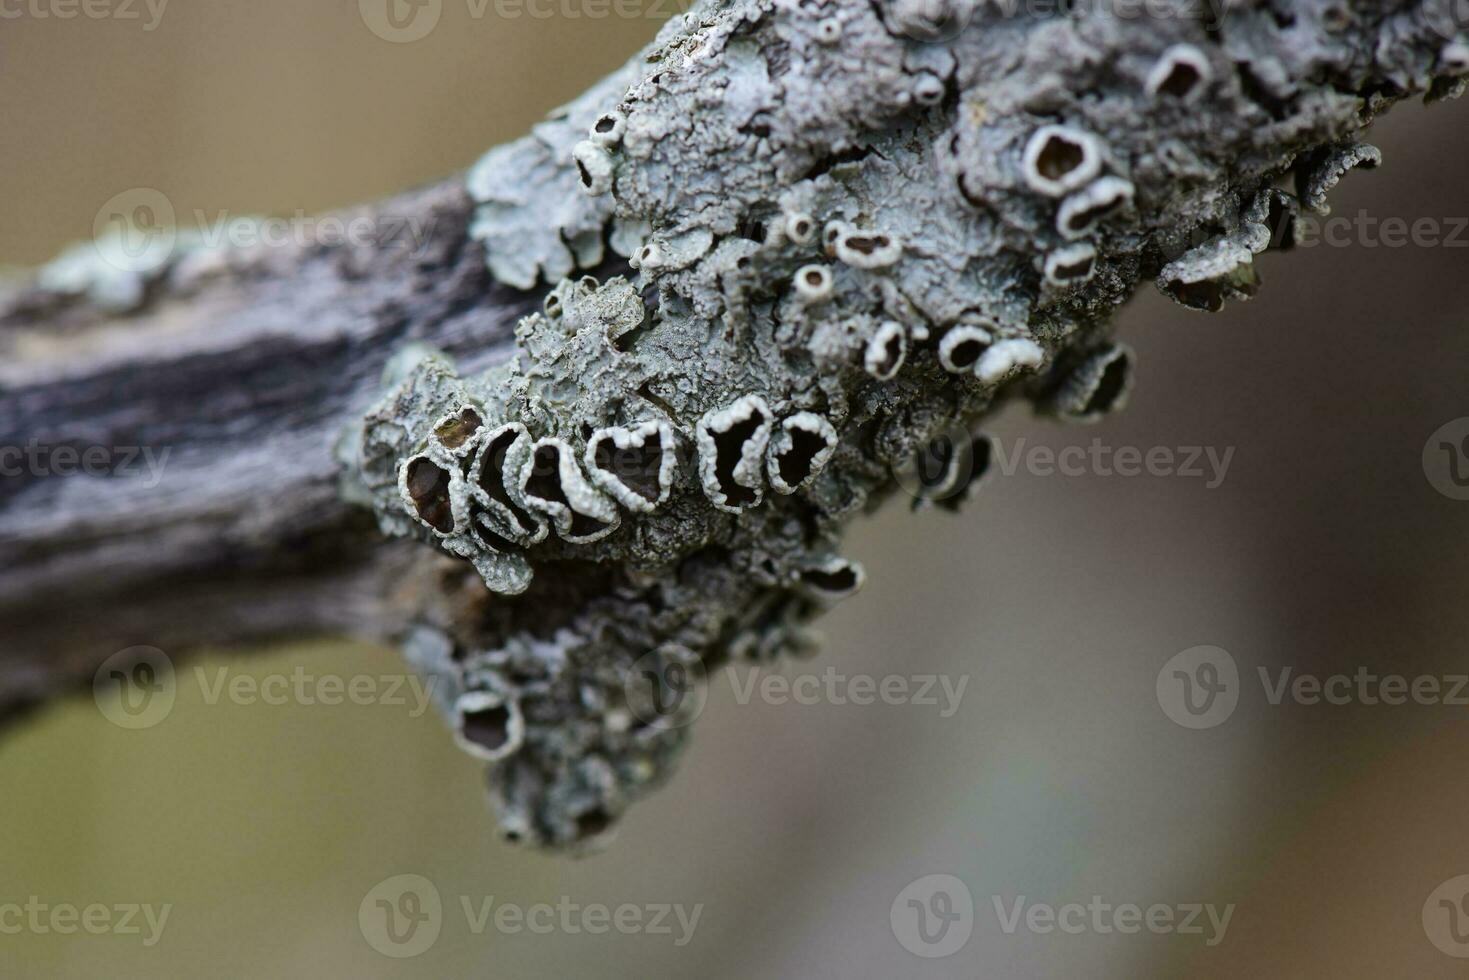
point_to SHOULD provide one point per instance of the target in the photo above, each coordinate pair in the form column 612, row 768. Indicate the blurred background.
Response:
column 797, row 830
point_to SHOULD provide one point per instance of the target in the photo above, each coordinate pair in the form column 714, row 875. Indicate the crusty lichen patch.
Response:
column 850, row 229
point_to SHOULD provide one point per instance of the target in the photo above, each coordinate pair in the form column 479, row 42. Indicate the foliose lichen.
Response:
column 849, row 229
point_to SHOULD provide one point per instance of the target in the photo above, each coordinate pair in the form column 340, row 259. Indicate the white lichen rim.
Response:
column 1217, row 259
column 1098, row 200
column 1082, row 386
column 473, row 702
column 928, row 88
column 1085, row 171
column 503, row 573
column 832, row 565
column 783, row 440
column 458, row 490
column 818, row 291
column 868, row 249
column 963, row 333
column 876, row 355
column 749, row 470
column 1069, row 257
column 471, row 443
column 1169, row 61
column 581, row 496
column 831, row 231
column 506, row 524
column 594, row 167
column 1007, row 358
column 1455, row 57
column 1332, row 169
column 956, row 467
column 612, row 135
column 634, row 437
column 800, row 227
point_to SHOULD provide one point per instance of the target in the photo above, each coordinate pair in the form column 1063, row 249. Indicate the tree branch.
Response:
column 168, row 476
column 853, row 231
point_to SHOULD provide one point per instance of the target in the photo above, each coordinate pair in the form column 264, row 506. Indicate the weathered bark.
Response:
column 237, row 381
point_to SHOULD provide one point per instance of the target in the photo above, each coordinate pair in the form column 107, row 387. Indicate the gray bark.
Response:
column 236, row 380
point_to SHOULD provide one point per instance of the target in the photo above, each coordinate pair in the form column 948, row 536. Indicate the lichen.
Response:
column 851, row 231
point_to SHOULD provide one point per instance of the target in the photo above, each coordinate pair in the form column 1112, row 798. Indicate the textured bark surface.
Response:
column 236, row 378
column 851, row 232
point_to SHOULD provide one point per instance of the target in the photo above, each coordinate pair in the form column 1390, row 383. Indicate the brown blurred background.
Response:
column 796, row 826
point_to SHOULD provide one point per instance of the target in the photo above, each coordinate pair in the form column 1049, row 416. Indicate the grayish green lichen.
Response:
column 852, row 229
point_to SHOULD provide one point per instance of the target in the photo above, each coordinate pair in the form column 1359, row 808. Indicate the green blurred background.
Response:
column 796, row 826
